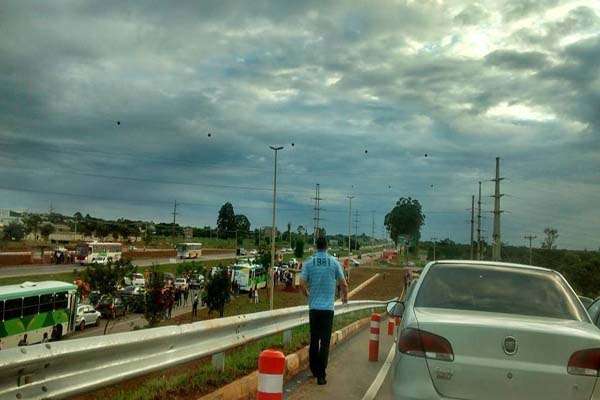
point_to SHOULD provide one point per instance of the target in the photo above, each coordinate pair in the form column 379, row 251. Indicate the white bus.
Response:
column 189, row 250
column 249, row 276
column 88, row 252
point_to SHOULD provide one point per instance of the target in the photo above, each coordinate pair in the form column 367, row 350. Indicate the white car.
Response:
column 490, row 330
column 137, row 279
column 86, row 315
column 181, row 283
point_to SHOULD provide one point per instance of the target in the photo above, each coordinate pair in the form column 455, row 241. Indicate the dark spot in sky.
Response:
column 292, row 144
column 366, row 151
column 210, row 134
column 426, row 154
column 118, row 122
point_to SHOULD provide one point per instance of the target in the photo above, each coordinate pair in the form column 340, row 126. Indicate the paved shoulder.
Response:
column 349, row 374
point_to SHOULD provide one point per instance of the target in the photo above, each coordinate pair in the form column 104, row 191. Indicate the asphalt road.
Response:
column 349, row 373
column 124, row 324
column 45, row 269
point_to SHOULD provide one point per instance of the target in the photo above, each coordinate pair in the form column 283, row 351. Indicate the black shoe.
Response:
column 321, row 381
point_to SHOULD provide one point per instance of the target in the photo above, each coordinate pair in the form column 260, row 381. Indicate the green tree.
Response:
column 226, row 223
column 550, row 239
column 46, row 230
column 32, row 223
column 102, row 229
column 157, row 299
column 14, row 231
column 217, row 291
column 299, row 249
column 406, row 218
column 107, row 278
column 242, row 225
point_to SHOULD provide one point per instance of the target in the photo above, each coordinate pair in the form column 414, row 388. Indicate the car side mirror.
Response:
column 395, row 308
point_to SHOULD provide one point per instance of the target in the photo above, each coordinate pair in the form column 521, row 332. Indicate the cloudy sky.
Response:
column 106, row 108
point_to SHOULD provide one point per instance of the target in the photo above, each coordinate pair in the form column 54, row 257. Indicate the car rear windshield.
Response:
column 500, row 290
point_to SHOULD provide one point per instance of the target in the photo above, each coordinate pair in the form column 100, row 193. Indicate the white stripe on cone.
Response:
column 374, row 337
column 374, row 324
column 269, row 383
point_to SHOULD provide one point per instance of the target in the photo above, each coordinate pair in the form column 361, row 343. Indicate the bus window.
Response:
column 1, row 310
column 12, row 309
column 60, row 300
column 46, row 302
column 30, row 305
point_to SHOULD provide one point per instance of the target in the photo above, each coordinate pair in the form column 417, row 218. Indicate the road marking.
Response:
column 385, row 368
column 376, row 385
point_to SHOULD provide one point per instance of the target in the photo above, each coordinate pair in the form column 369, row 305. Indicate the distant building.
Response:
column 8, row 216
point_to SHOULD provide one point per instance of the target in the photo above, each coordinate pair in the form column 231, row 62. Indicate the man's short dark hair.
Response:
column 321, row 243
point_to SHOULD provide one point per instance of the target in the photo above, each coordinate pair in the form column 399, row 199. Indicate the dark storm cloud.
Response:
column 336, row 79
column 517, row 60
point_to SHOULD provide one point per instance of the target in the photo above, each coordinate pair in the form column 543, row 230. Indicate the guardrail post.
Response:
column 218, row 361
column 287, row 337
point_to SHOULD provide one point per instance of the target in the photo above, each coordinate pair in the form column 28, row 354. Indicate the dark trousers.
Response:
column 321, row 322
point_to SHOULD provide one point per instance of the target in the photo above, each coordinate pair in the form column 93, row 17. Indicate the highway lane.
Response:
column 46, row 269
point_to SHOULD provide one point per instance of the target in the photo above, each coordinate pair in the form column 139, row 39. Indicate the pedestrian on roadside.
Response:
column 318, row 280
column 186, row 294
column 251, row 294
column 45, row 338
column 23, row 342
column 255, row 294
column 195, row 307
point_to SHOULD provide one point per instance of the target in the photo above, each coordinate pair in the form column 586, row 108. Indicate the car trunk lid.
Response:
column 505, row 356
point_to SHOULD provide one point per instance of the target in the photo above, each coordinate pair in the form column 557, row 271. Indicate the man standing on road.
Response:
column 319, row 278
column 195, row 306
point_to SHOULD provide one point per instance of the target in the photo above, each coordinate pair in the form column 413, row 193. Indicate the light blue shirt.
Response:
column 321, row 273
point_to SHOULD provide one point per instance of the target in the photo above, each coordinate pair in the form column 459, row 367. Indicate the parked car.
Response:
column 86, row 315
column 137, row 279
column 181, row 283
column 197, row 282
column 134, row 298
column 491, row 330
column 111, row 307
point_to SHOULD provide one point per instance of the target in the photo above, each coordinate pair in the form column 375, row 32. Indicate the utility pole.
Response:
column 174, row 218
column 349, row 226
column 497, row 238
column 373, row 226
column 271, row 276
column 434, row 239
column 479, row 224
column 317, row 216
column 472, row 222
column 530, row 238
column 356, row 226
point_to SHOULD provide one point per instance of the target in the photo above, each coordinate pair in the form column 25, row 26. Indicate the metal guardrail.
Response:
column 62, row 369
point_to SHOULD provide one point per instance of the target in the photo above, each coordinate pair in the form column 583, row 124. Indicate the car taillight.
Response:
column 584, row 362
column 418, row 343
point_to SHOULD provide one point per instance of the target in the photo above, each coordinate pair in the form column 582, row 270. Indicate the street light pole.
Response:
column 349, row 232
column 271, row 281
